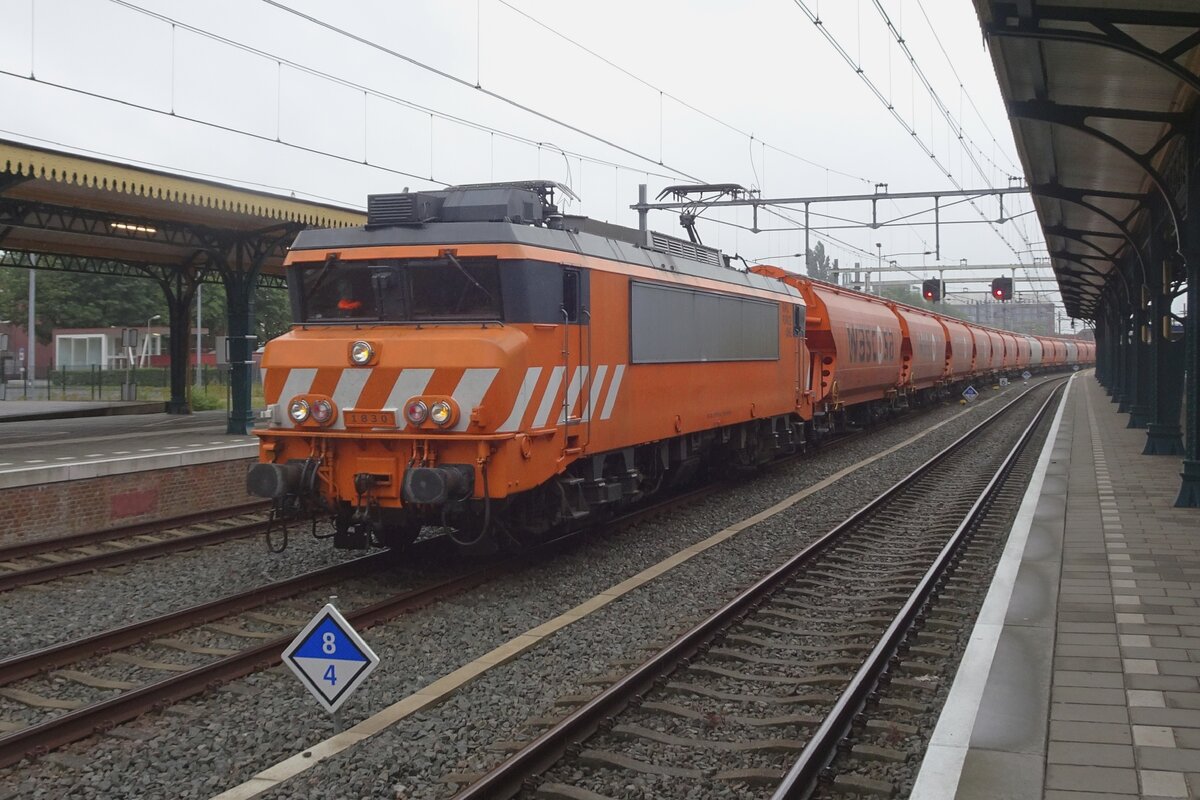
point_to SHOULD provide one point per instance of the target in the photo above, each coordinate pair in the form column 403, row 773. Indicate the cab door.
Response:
column 576, row 360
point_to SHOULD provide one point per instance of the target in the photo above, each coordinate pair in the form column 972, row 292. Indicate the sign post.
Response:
column 330, row 659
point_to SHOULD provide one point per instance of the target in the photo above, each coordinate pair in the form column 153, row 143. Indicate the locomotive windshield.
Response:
column 443, row 289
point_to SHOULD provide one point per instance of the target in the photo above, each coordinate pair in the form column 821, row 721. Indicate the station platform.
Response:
column 70, row 474
column 1081, row 680
column 32, row 410
column 70, row 447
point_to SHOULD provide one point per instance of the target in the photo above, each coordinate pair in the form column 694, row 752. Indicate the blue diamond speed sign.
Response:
column 330, row 658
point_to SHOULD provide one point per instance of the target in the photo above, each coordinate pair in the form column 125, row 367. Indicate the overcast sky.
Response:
column 717, row 91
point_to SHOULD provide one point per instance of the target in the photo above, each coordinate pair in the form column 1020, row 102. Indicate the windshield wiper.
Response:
column 329, row 261
column 467, row 275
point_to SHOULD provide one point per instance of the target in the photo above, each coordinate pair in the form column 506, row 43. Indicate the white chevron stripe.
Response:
column 611, row 400
column 349, row 388
column 411, row 382
column 299, row 381
column 547, row 405
column 597, row 385
column 573, row 389
column 469, row 393
column 524, row 395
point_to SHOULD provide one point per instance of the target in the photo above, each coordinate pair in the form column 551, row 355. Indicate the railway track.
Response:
column 47, row 720
column 46, row 560
column 31, row 684
column 230, row 637
column 762, row 696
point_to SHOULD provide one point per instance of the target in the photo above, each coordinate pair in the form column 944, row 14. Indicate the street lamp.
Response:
column 146, row 343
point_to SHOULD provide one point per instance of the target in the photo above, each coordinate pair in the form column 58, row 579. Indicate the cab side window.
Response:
column 571, row 299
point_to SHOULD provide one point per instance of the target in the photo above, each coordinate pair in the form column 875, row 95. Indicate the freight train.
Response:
column 474, row 359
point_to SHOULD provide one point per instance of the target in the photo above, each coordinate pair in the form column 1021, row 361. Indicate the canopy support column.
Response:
column 1137, row 399
column 179, row 287
column 240, row 278
column 1164, row 381
column 1189, row 490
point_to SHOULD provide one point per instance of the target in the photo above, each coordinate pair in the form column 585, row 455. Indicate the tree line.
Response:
column 79, row 300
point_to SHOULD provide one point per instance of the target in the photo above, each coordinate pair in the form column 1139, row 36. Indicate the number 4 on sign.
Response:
column 330, row 658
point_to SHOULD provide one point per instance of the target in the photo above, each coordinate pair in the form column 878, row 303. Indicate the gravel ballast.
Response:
column 225, row 737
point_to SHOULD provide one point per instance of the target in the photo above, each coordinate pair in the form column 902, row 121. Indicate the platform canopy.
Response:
column 102, row 216
column 1099, row 93
column 62, row 211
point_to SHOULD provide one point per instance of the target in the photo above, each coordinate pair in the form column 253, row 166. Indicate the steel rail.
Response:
column 174, row 544
column 39, row 546
column 507, row 778
column 25, row 665
column 802, row 779
column 74, row 725
column 98, row 717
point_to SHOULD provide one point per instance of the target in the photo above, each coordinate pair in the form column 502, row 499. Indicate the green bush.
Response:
column 202, row 401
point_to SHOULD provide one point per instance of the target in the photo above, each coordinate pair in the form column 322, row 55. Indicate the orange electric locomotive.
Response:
column 472, row 358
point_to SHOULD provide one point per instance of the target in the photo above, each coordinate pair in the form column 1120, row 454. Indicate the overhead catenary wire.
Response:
column 365, row 162
column 751, row 137
column 675, row 98
column 456, row 79
column 1014, row 169
column 380, row 94
column 816, row 20
column 182, row 171
column 468, row 84
column 967, row 145
column 220, row 127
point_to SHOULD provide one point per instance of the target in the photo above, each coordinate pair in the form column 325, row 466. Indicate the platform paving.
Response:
column 1092, row 685
column 29, row 410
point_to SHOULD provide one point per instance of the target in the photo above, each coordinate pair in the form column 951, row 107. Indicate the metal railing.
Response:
column 98, row 383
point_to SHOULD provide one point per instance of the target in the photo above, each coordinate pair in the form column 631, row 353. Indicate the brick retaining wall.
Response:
column 49, row 510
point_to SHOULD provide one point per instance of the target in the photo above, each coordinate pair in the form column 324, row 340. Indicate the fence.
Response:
column 153, row 383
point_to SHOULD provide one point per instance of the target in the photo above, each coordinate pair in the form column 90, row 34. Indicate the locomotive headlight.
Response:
column 416, row 412
column 298, row 411
column 361, row 353
column 322, row 411
column 441, row 413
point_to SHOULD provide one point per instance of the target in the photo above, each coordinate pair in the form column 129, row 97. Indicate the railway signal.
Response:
column 931, row 290
column 1002, row 288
